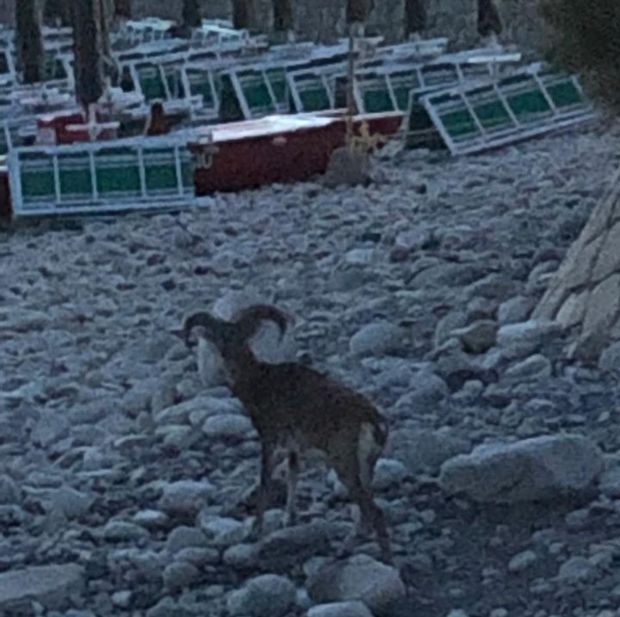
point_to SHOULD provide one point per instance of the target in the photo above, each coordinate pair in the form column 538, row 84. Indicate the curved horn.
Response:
column 212, row 325
column 248, row 320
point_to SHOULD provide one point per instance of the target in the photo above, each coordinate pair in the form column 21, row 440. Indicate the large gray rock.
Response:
column 49, row 429
column 10, row 493
column 609, row 483
column 227, row 426
column 268, row 595
column 51, row 586
column 197, row 409
column 185, row 496
column 514, row 310
column 425, row 450
column 222, row 531
column 290, row 545
column 425, row 392
column 179, row 575
column 377, row 338
column 532, row 469
column 360, row 578
column 347, row 168
column 388, row 472
column 477, row 337
column 353, row 608
column 185, row 537
column 534, row 367
column 522, row 339
column 123, row 531
column 609, row 359
column 70, row 502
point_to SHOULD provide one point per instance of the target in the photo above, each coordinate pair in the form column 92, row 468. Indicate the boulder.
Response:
column 51, row 586
column 285, row 547
column 354, row 608
column 539, row 468
column 268, row 595
column 360, row 578
column 377, row 338
column 520, row 340
column 185, row 496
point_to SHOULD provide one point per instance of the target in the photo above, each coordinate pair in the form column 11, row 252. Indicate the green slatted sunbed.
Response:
column 532, row 101
column 101, row 176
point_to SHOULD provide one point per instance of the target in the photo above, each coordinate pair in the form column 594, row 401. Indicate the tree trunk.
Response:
column 243, row 14
column 282, row 15
column 88, row 21
column 57, row 12
column 30, row 51
column 359, row 10
column 415, row 17
column 122, row 9
column 191, row 14
column 584, row 293
column 489, row 21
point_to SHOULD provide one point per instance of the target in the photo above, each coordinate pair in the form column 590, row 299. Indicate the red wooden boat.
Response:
column 282, row 148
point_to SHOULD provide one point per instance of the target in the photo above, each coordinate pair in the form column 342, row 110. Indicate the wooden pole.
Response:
column 122, row 9
column 415, row 17
column 282, row 15
column 29, row 40
column 489, row 21
column 57, row 12
column 350, row 85
column 88, row 48
column 191, row 14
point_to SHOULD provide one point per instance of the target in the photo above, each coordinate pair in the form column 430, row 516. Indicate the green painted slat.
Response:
column 489, row 109
column 230, row 108
column 53, row 68
column 37, row 178
column 277, row 81
column 375, row 94
column 175, row 83
column 422, row 132
column 402, row 85
column 256, row 92
column 439, row 74
column 459, row 124
column 160, row 171
column 117, row 172
column 493, row 115
column 199, row 83
column 529, row 105
column 313, row 94
column 74, row 177
column 565, row 93
column 151, row 83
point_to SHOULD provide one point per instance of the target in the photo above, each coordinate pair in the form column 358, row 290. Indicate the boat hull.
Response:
column 281, row 157
column 5, row 194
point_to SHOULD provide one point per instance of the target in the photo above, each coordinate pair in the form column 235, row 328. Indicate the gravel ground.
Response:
column 123, row 479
